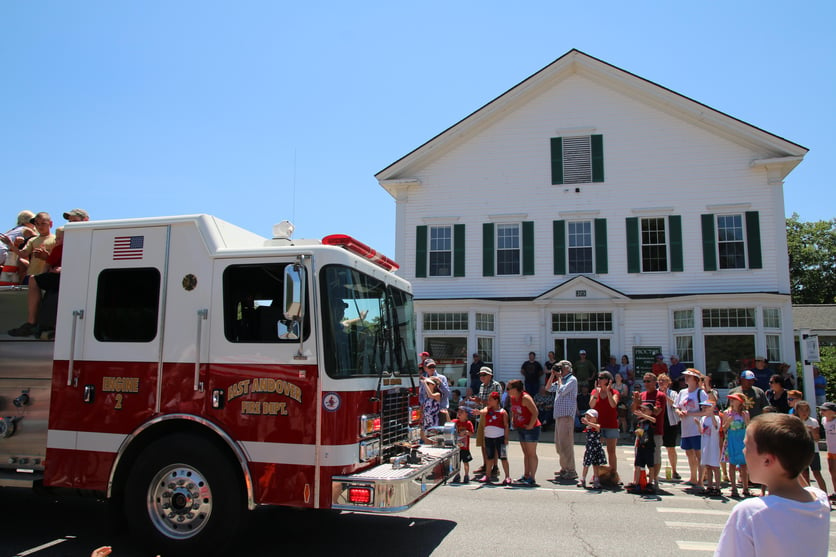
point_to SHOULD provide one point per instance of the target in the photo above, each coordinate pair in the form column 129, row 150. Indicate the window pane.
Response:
column 654, row 245
column 725, row 355
column 484, row 346
column 580, row 247
column 683, row 319
column 581, row 322
column 484, row 322
column 253, row 303
column 450, row 355
column 445, row 321
column 721, row 318
column 508, row 249
column 127, row 305
column 685, row 350
column 441, row 251
column 773, row 348
column 772, row 318
column 730, row 245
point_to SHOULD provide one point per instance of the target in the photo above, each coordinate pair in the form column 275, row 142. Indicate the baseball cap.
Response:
column 592, row 412
column 80, row 213
column 423, row 355
column 674, row 357
column 486, row 370
column 748, row 374
column 582, row 352
column 429, row 362
column 828, row 406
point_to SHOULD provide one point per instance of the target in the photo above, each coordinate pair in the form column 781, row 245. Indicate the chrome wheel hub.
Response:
column 179, row 501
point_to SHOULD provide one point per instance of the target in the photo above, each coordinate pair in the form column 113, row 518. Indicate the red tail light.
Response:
column 360, row 495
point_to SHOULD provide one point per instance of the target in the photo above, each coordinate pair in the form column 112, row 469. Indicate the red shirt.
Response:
column 658, row 368
column 659, row 400
column 54, row 257
column 607, row 415
column 521, row 414
column 462, row 427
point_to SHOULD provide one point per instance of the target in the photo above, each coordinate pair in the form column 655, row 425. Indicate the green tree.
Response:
column 812, row 251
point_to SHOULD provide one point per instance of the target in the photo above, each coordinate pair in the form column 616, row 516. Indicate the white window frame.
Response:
column 432, row 248
column 518, row 249
column 589, row 234
column 741, row 240
column 643, row 244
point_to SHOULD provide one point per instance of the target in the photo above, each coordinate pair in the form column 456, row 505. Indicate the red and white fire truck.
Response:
column 199, row 369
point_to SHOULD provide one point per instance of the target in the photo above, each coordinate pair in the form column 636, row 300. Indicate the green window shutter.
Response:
column 601, row 266
column 753, row 239
column 709, row 244
column 421, row 251
column 528, row 248
column 675, row 234
column 557, row 160
column 559, row 238
column 487, row 249
column 633, row 248
column 458, row 250
column 597, row 146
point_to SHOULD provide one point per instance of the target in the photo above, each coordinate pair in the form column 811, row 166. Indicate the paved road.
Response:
column 453, row 520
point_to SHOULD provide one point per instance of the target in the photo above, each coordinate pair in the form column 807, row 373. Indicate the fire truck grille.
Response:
column 394, row 417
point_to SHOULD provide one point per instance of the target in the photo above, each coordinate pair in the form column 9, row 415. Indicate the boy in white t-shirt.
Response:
column 828, row 422
column 777, row 448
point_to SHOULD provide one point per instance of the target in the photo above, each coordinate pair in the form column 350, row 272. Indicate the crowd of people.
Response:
column 31, row 255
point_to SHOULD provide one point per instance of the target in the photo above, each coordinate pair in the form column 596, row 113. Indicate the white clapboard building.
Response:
column 589, row 208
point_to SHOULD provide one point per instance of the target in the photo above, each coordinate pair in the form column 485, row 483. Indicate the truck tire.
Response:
column 183, row 496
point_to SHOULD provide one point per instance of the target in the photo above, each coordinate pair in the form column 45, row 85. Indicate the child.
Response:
column 645, row 447
column 802, row 410
column 710, row 455
column 497, row 431
column 464, row 429
column 735, row 420
column 593, row 455
column 828, row 422
column 792, row 518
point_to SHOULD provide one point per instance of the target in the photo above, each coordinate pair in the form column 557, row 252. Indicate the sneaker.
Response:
column 25, row 330
column 596, row 484
column 676, row 476
column 521, row 480
column 530, row 482
column 570, row 475
column 466, row 480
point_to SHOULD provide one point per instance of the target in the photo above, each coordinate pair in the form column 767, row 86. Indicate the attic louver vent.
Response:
column 577, row 160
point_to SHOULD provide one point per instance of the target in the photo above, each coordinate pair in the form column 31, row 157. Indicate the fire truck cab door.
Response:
column 120, row 342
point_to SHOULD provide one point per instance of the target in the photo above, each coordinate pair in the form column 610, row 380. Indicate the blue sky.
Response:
column 259, row 111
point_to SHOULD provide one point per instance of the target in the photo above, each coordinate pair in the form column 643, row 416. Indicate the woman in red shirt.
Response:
column 605, row 399
column 524, row 413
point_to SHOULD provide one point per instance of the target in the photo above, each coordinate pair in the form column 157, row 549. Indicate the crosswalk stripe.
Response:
column 696, row 546
column 683, row 510
column 699, row 525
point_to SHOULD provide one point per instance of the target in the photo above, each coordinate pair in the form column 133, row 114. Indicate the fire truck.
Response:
column 199, row 370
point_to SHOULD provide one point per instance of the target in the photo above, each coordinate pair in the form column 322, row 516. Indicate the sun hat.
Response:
column 486, row 370
column 693, row 373
column 748, row 374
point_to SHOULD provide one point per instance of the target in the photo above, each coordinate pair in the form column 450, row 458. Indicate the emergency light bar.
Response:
column 361, row 249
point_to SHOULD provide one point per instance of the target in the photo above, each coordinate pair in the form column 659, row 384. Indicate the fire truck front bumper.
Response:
column 386, row 488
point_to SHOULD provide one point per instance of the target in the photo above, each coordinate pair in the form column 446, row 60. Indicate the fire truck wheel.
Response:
column 183, row 495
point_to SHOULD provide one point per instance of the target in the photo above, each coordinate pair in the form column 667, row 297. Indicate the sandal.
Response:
column 734, row 494
column 582, row 484
column 747, row 493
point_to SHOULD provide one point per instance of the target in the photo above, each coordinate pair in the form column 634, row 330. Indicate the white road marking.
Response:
column 699, row 525
column 683, row 510
column 40, row 547
column 696, row 546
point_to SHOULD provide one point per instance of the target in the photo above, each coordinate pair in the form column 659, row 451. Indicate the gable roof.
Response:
column 786, row 153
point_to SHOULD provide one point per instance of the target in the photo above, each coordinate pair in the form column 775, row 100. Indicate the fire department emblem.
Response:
column 331, row 402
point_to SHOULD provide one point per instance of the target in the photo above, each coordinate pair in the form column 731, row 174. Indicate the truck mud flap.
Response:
column 388, row 489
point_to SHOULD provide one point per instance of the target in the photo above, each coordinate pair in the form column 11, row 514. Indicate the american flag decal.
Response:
column 128, row 247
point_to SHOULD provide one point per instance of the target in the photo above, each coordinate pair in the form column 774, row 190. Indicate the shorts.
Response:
column 48, row 281
column 815, row 464
column 670, row 435
column 609, row 433
column 644, row 457
column 529, row 435
column 495, row 446
column 691, row 443
column 464, row 455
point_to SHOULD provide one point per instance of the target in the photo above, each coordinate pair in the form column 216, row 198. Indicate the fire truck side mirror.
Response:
column 294, row 292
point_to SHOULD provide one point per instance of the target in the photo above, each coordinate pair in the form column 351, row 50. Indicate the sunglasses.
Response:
column 790, row 398
column 649, row 381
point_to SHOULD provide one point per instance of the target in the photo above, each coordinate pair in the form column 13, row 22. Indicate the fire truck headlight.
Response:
column 414, row 435
column 369, row 450
column 414, row 414
column 369, row 425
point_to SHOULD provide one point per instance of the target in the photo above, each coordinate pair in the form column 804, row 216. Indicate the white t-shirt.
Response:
column 690, row 402
column 829, row 434
column 812, row 422
column 772, row 525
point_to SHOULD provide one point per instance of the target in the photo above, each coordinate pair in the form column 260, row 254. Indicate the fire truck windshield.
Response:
column 367, row 325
